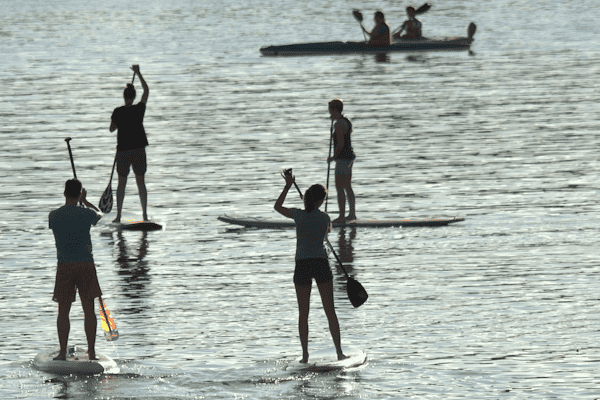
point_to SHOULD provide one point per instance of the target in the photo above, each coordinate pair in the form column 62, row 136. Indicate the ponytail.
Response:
column 129, row 92
column 313, row 195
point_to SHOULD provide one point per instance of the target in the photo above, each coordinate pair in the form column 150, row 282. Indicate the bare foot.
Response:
column 342, row 356
column 117, row 220
column 60, row 357
column 351, row 217
column 304, row 359
column 92, row 356
column 339, row 220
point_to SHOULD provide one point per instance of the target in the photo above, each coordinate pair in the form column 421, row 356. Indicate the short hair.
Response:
column 336, row 104
column 379, row 14
column 129, row 92
column 72, row 188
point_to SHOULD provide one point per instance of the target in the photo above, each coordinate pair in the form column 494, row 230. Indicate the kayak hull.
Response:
column 327, row 48
column 401, row 45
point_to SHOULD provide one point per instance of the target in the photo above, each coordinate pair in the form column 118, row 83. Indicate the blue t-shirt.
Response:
column 311, row 229
column 71, row 227
column 383, row 30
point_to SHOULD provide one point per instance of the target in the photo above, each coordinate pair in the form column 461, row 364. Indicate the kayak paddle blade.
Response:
column 422, row 9
column 356, row 292
column 357, row 15
column 471, row 30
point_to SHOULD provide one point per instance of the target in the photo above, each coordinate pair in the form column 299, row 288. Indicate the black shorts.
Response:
column 309, row 268
column 76, row 276
column 131, row 158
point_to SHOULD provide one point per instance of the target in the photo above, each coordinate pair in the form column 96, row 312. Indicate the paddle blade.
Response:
column 108, row 322
column 471, row 30
column 422, row 9
column 356, row 292
column 357, row 15
column 106, row 201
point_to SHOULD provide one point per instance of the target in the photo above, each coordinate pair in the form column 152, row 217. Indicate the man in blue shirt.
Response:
column 76, row 270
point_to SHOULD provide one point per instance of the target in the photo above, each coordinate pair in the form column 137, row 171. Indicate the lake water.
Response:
column 501, row 306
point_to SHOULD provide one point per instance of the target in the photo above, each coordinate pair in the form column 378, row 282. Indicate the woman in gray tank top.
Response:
column 312, row 226
column 343, row 156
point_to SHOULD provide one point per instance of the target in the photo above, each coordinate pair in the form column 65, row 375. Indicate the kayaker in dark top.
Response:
column 412, row 26
column 131, row 143
column 380, row 35
column 343, row 156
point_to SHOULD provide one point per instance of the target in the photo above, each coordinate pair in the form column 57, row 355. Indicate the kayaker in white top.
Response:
column 412, row 26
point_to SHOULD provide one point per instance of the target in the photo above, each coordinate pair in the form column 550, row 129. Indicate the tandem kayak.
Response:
column 326, row 48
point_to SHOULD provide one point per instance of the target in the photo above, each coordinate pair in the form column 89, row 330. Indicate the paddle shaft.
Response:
column 75, row 175
column 71, row 156
column 105, row 316
column 328, row 165
column 326, row 239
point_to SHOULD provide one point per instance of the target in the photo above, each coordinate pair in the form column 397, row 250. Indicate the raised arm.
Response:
column 289, row 181
column 136, row 69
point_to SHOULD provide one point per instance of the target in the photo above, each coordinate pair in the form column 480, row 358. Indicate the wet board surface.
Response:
column 77, row 362
column 140, row 226
column 251, row 222
column 326, row 360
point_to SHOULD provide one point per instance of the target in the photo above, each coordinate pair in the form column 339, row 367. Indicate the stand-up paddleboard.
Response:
column 77, row 362
column 251, row 222
column 326, row 360
column 139, row 226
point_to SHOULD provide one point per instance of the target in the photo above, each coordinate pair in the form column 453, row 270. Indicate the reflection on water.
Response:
column 133, row 268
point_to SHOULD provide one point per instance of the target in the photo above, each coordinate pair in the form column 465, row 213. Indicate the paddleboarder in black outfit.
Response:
column 311, row 261
column 344, row 160
column 131, row 143
column 76, row 270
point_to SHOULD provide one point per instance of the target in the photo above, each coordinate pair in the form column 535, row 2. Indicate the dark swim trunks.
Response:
column 132, row 158
column 74, row 276
column 308, row 268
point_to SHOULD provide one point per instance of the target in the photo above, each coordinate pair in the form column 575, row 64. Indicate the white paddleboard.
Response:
column 326, row 360
column 77, row 362
column 272, row 223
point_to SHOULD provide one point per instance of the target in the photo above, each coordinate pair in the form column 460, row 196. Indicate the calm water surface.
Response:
column 503, row 305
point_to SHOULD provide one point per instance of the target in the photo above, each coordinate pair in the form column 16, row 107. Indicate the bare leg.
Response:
column 326, row 291
column 303, row 295
column 139, row 179
column 120, row 196
column 63, row 326
column 89, row 324
column 341, row 198
column 347, row 179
